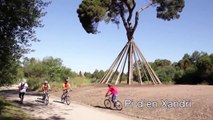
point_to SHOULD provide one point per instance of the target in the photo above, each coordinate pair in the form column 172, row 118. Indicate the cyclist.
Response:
column 45, row 88
column 113, row 91
column 66, row 87
column 22, row 88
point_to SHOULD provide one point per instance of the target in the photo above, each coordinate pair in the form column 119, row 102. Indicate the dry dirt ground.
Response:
column 56, row 110
column 165, row 102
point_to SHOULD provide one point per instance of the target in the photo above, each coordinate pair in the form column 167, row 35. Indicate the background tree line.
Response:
column 37, row 71
column 191, row 69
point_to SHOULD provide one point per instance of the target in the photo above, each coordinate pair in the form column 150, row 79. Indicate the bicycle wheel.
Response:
column 46, row 100
column 119, row 105
column 107, row 103
column 67, row 99
column 62, row 99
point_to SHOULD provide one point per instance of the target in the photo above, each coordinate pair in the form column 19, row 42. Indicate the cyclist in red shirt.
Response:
column 45, row 88
column 113, row 91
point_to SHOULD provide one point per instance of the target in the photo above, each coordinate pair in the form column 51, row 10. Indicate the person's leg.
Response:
column 22, row 95
column 43, row 96
column 114, row 99
column 62, row 96
column 19, row 94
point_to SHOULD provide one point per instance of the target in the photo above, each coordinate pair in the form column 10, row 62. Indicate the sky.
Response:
column 64, row 37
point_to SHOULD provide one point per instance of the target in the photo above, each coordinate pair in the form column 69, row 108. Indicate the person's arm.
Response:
column 42, row 88
column 69, row 87
column 49, row 88
column 108, row 91
column 26, row 86
column 63, row 87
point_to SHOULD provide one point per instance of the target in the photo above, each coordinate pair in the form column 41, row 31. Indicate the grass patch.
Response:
column 74, row 82
column 80, row 81
column 9, row 111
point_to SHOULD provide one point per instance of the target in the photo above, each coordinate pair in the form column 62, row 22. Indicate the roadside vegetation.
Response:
column 191, row 69
column 8, row 111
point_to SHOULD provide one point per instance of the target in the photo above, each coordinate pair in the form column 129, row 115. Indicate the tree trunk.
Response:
column 130, row 63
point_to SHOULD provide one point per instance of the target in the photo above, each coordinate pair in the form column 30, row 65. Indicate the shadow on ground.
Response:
column 10, row 92
column 101, row 107
column 57, row 101
column 55, row 117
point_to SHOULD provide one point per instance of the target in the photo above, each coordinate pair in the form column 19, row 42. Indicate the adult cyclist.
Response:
column 22, row 89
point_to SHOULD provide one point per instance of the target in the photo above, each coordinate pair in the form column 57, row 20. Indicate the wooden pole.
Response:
column 130, row 64
column 106, row 77
column 137, row 65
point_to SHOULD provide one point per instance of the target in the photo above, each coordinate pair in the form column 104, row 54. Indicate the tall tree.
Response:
column 91, row 12
column 18, row 20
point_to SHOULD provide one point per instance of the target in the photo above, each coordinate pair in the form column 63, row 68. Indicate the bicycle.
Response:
column 108, row 103
column 65, row 97
column 46, row 97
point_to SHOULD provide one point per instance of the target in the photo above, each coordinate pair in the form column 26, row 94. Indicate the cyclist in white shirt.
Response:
column 22, row 88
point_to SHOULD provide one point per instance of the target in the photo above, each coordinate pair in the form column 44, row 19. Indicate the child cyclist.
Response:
column 113, row 91
column 45, row 88
column 66, row 87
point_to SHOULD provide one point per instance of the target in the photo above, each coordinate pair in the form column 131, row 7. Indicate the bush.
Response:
column 34, row 84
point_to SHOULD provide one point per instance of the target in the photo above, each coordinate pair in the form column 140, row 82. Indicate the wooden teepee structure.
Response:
column 130, row 55
column 133, row 55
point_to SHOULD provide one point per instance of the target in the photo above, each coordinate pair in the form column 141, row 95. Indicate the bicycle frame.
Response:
column 110, row 98
column 65, row 97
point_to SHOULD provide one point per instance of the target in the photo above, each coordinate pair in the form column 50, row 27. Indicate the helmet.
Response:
column 109, row 84
column 67, row 79
column 22, row 83
column 45, row 81
column 24, row 80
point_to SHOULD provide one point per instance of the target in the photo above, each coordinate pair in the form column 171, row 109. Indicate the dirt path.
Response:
column 57, row 110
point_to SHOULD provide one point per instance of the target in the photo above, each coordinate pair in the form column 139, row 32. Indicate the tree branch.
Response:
column 123, row 16
column 137, row 15
column 130, row 9
column 145, row 7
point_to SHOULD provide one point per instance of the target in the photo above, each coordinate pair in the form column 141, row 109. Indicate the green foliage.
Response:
column 166, row 74
column 98, row 74
column 8, row 71
column 198, row 69
column 49, row 68
column 91, row 12
column 169, row 9
column 165, row 70
column 191, row 69
column 35, row 83
column 88, row 75
column 18, row 20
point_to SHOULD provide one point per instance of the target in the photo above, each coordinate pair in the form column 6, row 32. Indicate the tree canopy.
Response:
column 18, row 20
column 91, row 12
